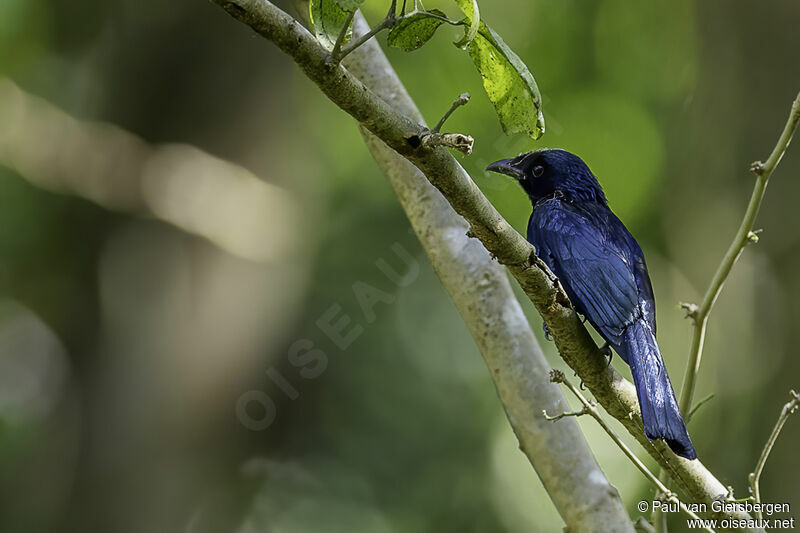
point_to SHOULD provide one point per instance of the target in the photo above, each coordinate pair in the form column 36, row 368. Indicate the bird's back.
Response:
column 602, row 270
column 597, row 261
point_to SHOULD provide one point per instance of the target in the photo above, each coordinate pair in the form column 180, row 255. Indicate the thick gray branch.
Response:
column 403, row 135
column 481, row 291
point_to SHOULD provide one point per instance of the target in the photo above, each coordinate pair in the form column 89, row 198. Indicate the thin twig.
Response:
column 336, row 56
column 699, row 314
column 744, row 235
column 385, row 23
column 643, row 525
column 755, row 476
column 579, row 412
column 658, row 517
column 396, row 130
column 697, row 406
column 590, row 408
column 389, row 21
column 462, row 99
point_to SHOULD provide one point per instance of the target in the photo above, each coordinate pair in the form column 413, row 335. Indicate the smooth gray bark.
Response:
column 482, row 294
column 403, row 134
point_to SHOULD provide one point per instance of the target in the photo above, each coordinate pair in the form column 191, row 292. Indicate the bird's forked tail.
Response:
column 660, row 412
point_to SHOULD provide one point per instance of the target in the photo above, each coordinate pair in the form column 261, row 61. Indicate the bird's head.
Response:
column 547, row 172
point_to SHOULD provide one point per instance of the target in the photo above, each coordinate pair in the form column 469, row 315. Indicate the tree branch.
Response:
column 480, row 289
column 456, row 141
column 755, row 477
column 744, row 235
column 590, row 408
column 462, row 99
column 617, row 395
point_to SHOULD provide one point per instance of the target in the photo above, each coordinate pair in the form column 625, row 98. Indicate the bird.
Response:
column 603, row 271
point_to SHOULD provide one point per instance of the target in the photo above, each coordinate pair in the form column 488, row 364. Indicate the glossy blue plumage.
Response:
column 603, row 271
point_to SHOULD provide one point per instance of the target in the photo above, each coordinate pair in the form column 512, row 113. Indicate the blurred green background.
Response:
column 179, row 207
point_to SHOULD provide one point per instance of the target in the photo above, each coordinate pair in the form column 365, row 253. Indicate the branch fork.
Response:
column 396, row 131
column 457, row 141
column 590, row 407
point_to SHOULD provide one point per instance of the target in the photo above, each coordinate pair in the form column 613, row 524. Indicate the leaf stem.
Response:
column 462, row 99
column 389, row 21
column 446, row 20
column 755, row 477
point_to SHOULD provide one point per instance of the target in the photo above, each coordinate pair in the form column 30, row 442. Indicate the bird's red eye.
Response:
column 538, row 170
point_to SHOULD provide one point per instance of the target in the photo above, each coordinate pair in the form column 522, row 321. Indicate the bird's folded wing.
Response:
column 594, row 268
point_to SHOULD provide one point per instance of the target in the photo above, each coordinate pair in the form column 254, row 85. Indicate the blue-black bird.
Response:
column 602, row 269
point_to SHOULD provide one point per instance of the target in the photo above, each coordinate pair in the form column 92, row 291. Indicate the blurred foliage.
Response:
column 125, row 342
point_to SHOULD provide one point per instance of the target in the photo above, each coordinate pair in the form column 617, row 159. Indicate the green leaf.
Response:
column 349, row 5
column 328, row 19
column 415, row 29
column 508, row 83
column 473, row 13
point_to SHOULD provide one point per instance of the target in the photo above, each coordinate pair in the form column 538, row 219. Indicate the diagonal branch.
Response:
column 744, row 235
column 590, row 408
column 755, row 477
column 403, row 135
column 481, row 292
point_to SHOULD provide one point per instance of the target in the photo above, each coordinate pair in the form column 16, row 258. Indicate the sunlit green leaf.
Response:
column 415, row 29
column 328, row 18
column 349, row 5
column 473, row 13
column 508, row 83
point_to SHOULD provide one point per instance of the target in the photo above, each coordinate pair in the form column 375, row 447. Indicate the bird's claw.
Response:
column 605, row 349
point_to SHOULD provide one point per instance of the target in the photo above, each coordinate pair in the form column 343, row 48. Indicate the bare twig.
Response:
column 388, row 22
column 457, row 141
column 462, row 99
column 755, row 477
column 396, row 130
column 745, row 234
column 336, row 53
column 480, row 289
column 658, row 516
column 697, row 406
column 590, row 408
column 643, row 525
column 579, row 412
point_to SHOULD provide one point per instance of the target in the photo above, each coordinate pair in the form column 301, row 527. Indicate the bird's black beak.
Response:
column 506, row 166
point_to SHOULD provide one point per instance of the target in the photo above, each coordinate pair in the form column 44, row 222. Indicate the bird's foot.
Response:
column 605, row 349
column 546, row 332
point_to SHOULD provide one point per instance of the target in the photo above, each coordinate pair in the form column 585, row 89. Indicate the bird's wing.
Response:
column 589, row 250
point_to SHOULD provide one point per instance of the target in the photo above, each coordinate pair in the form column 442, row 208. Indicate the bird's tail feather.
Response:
column 660, row 412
